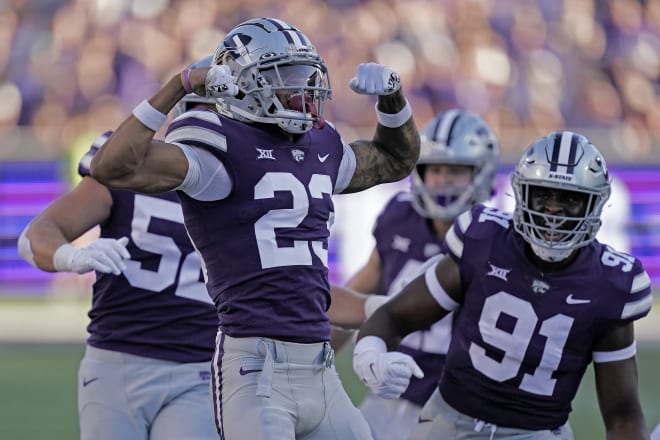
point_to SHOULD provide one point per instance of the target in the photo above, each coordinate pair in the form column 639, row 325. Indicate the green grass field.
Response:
column 38, row 392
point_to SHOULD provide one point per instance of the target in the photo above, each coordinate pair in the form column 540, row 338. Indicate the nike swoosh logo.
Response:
column 243, row 372
column 571, row 300
column 322, row 158
column 87, row 382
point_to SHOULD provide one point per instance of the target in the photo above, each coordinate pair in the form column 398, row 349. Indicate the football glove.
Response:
column 386, row 373
column 375, row 79
column 105, row 255
column 220, row 83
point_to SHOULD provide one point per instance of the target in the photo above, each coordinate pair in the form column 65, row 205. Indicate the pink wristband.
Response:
column 185, row 80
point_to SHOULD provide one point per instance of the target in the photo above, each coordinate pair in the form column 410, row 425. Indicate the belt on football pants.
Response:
column 272, row 357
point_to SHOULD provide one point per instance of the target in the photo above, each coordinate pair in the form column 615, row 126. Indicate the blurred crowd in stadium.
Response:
column 71, row 67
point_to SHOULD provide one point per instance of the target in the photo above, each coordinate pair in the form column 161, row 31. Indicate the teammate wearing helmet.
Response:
column 535, row 298
column 147, row 364
column 456, row 169
column 255, row 181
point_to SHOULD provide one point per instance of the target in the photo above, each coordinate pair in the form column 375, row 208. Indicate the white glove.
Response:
column 105, row 255
column 375, row 79
column 386, row 373
column 220, row 83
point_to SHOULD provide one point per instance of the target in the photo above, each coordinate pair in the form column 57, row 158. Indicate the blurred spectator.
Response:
column 68, row 67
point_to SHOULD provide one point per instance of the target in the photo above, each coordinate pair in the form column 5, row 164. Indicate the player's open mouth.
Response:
column 553, row 236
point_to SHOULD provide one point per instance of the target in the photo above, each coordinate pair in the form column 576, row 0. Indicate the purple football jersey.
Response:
column 265, row 246
column 158, row 307
column 404, row 241
column 522, row 339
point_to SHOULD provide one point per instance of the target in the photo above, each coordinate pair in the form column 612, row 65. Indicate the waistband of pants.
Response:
column 283, row 352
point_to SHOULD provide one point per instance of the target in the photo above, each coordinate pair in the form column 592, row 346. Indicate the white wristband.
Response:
column 149, row 116
column 394, row 120
column 63, row 256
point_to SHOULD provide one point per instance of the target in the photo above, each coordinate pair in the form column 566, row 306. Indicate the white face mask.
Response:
column 551, row 255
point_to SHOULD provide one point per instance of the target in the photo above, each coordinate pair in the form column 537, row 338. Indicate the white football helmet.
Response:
column 191, row 99
column 273, row 61
column 455, row 137
column 567, row 161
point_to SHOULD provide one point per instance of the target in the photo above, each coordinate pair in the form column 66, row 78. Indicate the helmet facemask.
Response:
column 446, row 201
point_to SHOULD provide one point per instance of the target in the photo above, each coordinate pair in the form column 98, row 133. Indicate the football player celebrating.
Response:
column 535, row 298
column 255, row 180
column 146, row 369
column 456, row 169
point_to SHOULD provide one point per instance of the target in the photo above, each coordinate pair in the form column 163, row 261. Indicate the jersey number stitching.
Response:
column 170, row 255
column 514, row 344
column 265, row 228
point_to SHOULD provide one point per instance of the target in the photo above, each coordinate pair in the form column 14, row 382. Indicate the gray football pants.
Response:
column 128, row 397
column 390, row 419
column 438, row 420
column 264, row 389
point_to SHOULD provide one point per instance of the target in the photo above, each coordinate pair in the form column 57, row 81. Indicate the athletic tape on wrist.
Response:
column 185, row 81
column 394, row 120
column 63, row 256
column 149, row 116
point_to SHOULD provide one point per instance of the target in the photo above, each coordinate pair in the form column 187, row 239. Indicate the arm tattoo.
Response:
column 392, row 153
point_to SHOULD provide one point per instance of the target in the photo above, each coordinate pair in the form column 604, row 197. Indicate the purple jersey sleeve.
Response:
column 86, row 160
column 265, row 246
column 158, row 307
column 522, row 338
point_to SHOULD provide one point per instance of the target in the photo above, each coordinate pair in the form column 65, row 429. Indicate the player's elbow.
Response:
column 109, row 173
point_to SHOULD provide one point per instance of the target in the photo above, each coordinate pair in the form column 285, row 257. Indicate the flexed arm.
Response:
column 392, row 153
column 131, row 159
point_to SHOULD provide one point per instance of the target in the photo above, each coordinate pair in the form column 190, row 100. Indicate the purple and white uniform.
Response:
column 152, row 329
column 406, row 244
column 264, row 247
column 405, row 241
column 158, row 307
column 522, row 338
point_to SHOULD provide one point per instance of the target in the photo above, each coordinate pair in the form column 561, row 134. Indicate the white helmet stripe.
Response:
column 242, row 49
column 281, row 24
column 443, row 129
column 295, row 38
column 565, row 149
